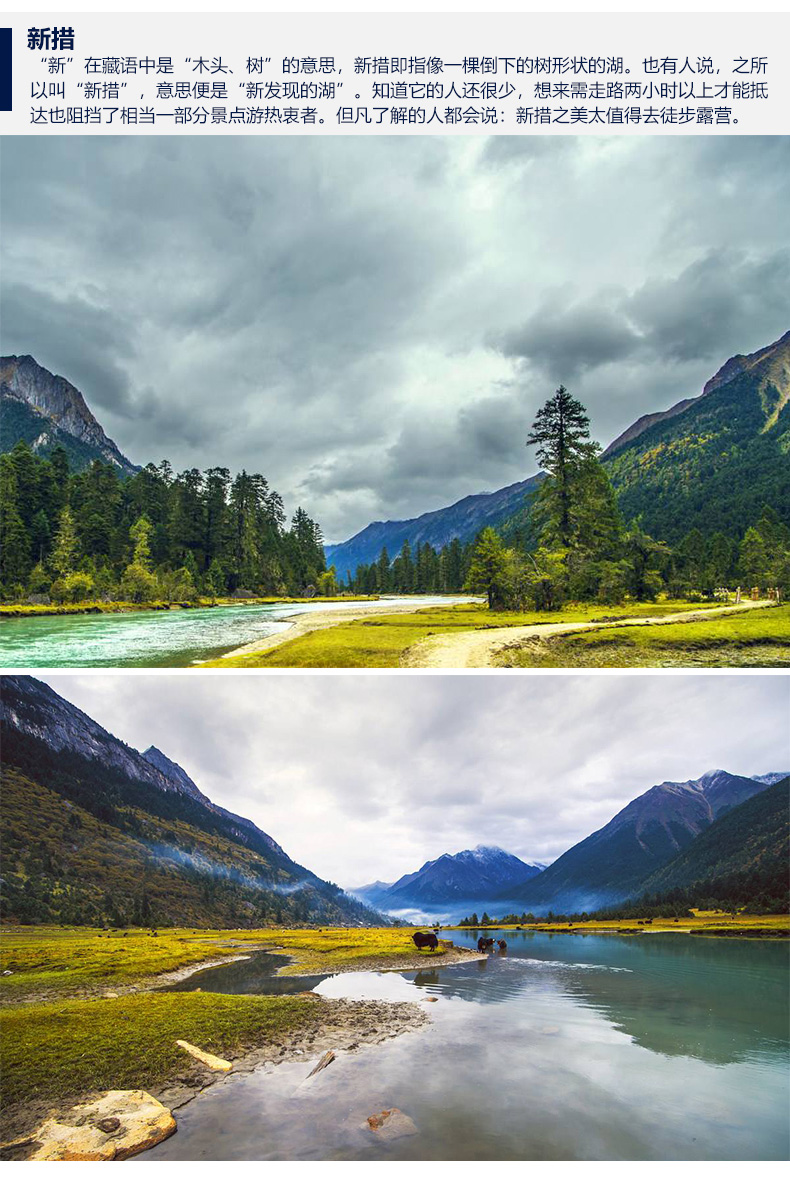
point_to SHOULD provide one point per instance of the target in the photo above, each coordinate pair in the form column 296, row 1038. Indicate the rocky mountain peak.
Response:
column 60, row 404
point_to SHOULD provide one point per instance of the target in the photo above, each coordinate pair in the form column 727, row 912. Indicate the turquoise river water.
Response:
column 155, row 639
column 565, row 1047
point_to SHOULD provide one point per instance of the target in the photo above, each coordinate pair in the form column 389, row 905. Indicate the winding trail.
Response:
column 478, row 649
column 304, row 624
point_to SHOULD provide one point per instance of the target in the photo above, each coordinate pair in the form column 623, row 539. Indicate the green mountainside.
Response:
column 746, row 850
column 714, row 464
column 710, row 462
column 19, row 422
column 94, row 832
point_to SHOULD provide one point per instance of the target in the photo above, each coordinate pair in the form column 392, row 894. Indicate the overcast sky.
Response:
column 373, row 322
column 367, row 777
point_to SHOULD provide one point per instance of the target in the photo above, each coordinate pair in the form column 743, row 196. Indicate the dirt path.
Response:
column 316, row 620
column 478, row 649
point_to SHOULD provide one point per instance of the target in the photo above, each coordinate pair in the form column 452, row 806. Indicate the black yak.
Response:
column 421, row 941
column 485, row 944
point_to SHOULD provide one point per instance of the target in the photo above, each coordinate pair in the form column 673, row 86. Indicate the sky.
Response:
column 373, row 322
column 364, row 778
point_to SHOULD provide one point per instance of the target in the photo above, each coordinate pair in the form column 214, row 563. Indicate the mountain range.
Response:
column 746, row 850
column 47, row 411
column 462, row 520
column 624, row 857
column 711, row 461
column 451, row 879
column 94, row 831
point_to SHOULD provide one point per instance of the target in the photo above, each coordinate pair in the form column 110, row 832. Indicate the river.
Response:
column 565, row 1047
column 156, row 639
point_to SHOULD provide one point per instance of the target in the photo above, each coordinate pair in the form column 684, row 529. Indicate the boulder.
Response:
column 392, row 1124
column 119, row 1124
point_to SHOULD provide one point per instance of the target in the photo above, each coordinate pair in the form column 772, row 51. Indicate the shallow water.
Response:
column 564, row 1047
column 154, row 639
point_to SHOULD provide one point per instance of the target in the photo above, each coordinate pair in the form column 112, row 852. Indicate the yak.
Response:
column 421, row 941
column 485, row 944
column 502, row 944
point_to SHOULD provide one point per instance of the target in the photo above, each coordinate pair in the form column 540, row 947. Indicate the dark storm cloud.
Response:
column 398, row 770
column 69, row 322
column 695, row 315
column 568, row 340
column 374, row 322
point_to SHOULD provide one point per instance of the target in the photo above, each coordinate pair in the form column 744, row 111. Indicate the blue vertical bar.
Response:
column 5, row 69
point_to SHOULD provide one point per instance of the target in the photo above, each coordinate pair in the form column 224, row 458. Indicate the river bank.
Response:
column 487, row 650
column 171, row 637
column 319, row 621
column 251, row 1032
column 66, row 1040
column 352, row 640
column 24, row 610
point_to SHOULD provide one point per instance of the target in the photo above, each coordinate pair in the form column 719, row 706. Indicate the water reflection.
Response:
column 659, row 1047
column 255, row 975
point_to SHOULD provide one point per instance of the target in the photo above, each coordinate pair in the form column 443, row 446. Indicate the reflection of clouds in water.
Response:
column 571, row 1061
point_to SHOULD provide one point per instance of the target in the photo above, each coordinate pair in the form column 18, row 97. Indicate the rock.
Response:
column 392, row 1124
column 8, row 973
column 430, row 1000
column 119, row 1124
column 110, row 996
column 218, row 1063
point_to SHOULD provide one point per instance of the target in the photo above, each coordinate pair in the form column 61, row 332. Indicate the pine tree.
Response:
column 488, row 573
column 15, row 557
column 66, row 548
column 561, row 433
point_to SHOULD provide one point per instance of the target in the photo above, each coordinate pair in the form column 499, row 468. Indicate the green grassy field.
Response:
column 757, row 638
column 382, row 640
column 72, row 1047
column 704, row 922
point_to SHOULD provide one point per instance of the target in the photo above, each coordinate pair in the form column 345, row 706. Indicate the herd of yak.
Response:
column 424, row 941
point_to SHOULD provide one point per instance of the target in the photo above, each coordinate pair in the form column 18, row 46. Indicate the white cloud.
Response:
column 365, row 777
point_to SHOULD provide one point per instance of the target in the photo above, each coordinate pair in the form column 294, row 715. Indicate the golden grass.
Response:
column 716, row 922
column 48, row 960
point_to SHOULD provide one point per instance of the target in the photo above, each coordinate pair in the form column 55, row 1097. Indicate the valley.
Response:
column 155, row 940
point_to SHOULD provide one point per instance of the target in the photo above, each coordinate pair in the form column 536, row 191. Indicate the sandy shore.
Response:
column 316, row 620
column 478, row 649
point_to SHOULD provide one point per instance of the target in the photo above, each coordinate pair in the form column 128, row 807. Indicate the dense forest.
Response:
column 573, row 543
column 155, row 535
